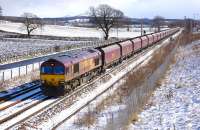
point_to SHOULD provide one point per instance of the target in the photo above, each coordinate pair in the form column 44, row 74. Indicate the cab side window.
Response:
column 96, row 61
column 76, row 68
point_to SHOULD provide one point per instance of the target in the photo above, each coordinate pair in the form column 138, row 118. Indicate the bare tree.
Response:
column 158, row 21
column 31, row 22
column 106, row 17
column 1, row 15
column 0, row 11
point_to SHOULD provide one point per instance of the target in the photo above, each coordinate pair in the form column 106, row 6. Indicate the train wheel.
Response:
column 66, row 88
column 81, row 81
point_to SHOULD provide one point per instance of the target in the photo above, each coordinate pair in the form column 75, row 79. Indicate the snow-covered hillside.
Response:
column 69, row 31
column 176, row 104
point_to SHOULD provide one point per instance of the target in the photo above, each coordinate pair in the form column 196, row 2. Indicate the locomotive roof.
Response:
column 74, row 57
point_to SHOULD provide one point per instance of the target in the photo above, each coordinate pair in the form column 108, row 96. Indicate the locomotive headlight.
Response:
column 61, row 82
column 42, row 81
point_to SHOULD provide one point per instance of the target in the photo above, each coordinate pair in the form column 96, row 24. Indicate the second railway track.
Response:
column 6, row 96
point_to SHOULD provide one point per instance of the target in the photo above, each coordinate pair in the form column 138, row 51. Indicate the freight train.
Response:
column 62, row 74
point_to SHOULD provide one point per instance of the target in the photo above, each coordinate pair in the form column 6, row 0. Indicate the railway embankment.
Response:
column 175, row 103
column 142, row 82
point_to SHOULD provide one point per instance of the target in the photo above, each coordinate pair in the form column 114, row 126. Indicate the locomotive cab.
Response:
column 52, row 75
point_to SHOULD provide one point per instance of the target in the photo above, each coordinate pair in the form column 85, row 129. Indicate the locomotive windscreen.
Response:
column 47, row 70
column 50, row 69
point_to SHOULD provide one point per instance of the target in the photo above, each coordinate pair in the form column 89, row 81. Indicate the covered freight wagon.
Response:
column 137, row 44
column 110, row 54
column 127, row 48
column 150, row 38
column 145, row 41
column 155, row 37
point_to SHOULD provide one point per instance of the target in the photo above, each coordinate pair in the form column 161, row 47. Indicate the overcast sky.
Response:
column 131, row 8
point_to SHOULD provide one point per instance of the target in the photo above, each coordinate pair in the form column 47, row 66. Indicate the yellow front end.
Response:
column 52, row 80
column 53, row 85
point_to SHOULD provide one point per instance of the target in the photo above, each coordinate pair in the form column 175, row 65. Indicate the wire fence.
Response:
column 9, row 74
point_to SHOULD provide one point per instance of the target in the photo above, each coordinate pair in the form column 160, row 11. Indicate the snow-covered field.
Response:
column 22, row 47
column 176, row 104
column 70, row 31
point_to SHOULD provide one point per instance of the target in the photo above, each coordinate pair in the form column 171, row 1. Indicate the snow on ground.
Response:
column 20, row 106
column 102, row 118
column 176, row 104
column 19, row 98
column 16, row 89
column 70, row 31
column 27, row 113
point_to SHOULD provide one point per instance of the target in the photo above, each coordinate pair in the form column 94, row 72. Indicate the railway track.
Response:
column 19, row 99
column 21, row 107
column 44, row 109
column 6, row 96
column 13, row 104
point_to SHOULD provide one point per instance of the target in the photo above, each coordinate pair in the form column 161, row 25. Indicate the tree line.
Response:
column 104, row 17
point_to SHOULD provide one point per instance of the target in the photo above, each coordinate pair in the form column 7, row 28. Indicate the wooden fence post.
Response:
column 3, row 78
column 33, row 67
column 19, row 72
column 11, row 76
column 26, row 69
